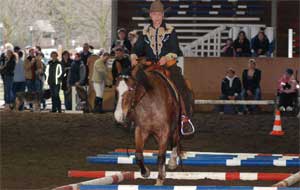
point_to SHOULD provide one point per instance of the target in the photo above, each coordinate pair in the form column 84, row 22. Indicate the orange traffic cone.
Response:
column 277, row 129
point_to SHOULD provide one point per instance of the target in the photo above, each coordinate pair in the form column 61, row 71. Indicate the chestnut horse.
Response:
column 147, row 100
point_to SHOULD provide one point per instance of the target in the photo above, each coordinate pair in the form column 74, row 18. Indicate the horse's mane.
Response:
column 142, row 79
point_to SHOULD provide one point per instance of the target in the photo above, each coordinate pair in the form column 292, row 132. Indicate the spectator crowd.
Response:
column 28, row 71
column 259, row 46
column 249, row 88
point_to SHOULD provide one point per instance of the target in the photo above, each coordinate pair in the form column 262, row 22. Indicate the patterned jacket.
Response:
column 156, row 43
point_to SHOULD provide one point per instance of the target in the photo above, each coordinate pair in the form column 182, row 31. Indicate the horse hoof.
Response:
column 159, row 182
column 147, row 173
column 172, row 165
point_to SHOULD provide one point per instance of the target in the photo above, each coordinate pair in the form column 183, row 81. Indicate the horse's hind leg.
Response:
column 161, row 160
column 139, row 146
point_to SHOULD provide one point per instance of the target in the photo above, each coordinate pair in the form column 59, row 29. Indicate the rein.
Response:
column 135, row 102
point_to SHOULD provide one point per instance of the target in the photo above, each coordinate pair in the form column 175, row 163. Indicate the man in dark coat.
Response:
column 121, row 65
column 85, row 54
column 54, row 71
column 261, row 44
column 231, row 88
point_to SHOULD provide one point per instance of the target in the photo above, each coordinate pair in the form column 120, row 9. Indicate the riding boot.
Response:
column 98, row 105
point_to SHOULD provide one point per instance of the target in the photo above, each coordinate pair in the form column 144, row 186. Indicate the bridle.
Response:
column 135, row 101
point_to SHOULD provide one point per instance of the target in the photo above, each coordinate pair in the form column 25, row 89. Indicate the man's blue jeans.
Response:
column 30, row 84
column 8, row 89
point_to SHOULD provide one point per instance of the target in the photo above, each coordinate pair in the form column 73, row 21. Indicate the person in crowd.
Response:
column 228, row 50
column 132, row 37
column 91, row 49
column 122, row 41
column 39, row 50
column 99, row 79
column 40, row 76
column 19, row 84
column 2, row 57
column 231, row 88
column 101, row 52
column 66, row 66
column 2, row 62
column 121, row 65
column 251, row 83
column 287, row 90
column 242, row 45
column 27, row 49
column 84, row 55
column 260, row 45
column 77, row 72
column 54, row 71
column 7, row 72
column 30, row 70
column 16, row 50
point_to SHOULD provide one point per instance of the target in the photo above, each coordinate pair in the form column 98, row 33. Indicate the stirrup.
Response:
column 185, row 119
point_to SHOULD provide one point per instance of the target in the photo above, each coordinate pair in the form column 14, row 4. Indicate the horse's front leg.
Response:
column 140, row 138
column 172, row 164
column 161, row 160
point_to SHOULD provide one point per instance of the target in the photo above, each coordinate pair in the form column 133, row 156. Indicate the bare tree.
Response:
column 88, row 20
column 96, row 19
column 65, row 15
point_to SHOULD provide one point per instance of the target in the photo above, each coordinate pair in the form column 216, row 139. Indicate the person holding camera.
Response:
column 287, row 90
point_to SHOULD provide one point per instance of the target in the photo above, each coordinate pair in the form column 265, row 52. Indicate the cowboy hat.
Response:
column 157, row 6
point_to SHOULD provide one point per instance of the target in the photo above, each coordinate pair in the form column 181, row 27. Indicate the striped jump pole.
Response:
column 291, row 180
column 198, row 162
column 205, row 156
column 146, row 187
column 122, row 150
column 108, row 180
column 225, row 176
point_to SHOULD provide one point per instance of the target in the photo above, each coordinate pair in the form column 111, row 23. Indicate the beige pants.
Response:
column 99, row 88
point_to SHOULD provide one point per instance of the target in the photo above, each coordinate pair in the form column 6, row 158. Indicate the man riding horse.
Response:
column 158, row 44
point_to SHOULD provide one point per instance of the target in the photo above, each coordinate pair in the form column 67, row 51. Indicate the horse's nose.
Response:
column 119, row 117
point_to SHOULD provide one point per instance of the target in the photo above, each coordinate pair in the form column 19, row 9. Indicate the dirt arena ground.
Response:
column 37, row 149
